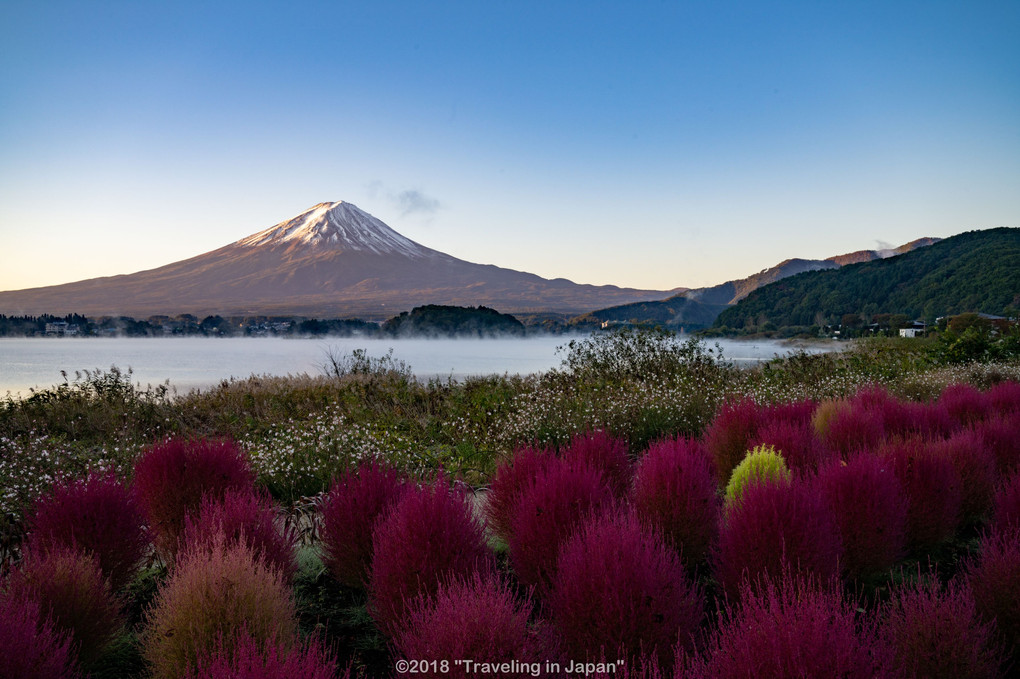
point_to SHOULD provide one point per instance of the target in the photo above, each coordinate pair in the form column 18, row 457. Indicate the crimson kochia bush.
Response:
column 31, row 647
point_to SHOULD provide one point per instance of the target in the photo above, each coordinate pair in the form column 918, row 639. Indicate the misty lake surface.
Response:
column 200, row 362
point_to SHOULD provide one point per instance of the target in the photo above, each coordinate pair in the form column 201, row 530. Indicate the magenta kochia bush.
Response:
column 355, row 502
column 853, row 428
column 1001, row 434
column 794, row 440
column 97, row 515
column 791, row 627
column 728, row 437
column 511, row 480
column 72, row 592
column 620, row 592
column 430, row 536
column 675, row 492
column 870, row 509
column 248, row 516
column 31, row 647
column 932, row 486
column 478, row 618
column 776, row 526
column 976, row 466
column 936, row 632
column 248, row 658
column 606, row 453
column 1006, row 505
column 995, row 583
column 964, row 403
column 214, row 596
column 1004, row 397
column 549, row 512
column 172, row 477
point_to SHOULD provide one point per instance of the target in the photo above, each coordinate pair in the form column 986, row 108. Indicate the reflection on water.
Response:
column 198, row 362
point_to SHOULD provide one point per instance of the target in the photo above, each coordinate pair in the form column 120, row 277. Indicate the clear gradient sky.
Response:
column 645, row 144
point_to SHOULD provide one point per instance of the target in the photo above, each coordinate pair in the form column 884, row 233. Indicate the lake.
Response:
column 200, row 362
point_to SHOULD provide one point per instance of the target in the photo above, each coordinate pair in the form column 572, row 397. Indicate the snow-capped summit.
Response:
column 339, row 225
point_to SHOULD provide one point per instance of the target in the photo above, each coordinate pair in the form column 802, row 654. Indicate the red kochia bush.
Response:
column 675, row 492
column 247, row 658
column 1004, row 397
column 932, row 486
column 31, row 647
column 776, row 526
column 933, row 632
column 511, row 480
column 548, row 512
column 794, row 440
column 248, row 516
column 1001, row 435
column 791, row 627
column 619, row 591
column 606, row 453
column 72, row 592
column 995, row 583
column 854, row 428
column 355, row 502
column 478, row 618
column 964, row 403
column 1006, row 512
column 728, row 437
column 975, row 464
column 97, row 515
column 870, row 509
column 429, row 536
column 172, row 477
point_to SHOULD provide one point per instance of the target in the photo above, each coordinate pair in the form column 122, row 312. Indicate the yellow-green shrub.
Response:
column 761, row 464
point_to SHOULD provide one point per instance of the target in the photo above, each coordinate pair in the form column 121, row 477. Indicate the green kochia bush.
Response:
column 762, row 465
column 215, row 595
column 428, row 537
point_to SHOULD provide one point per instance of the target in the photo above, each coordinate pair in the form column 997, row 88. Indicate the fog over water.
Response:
column 200, row 362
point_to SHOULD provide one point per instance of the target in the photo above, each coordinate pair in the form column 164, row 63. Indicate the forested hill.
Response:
column 974, row 271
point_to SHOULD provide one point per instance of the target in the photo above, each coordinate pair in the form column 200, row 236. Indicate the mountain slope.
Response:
column 974, row 271
column 331, row 260
column 698, row 308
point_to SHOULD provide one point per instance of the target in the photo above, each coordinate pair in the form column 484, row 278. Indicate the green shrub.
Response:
column 761, row 464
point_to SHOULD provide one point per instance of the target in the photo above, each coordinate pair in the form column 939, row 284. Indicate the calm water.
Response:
column 199, row 362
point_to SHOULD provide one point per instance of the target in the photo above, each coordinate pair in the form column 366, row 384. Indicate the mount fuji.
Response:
column 332, row 260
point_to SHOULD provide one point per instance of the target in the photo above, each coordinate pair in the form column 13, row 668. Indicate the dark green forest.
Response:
column 975, row 271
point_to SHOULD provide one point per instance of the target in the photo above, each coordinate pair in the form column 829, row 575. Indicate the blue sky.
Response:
column 645, row 144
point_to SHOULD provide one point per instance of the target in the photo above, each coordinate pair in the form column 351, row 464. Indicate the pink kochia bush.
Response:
column 247, row 658
column 794, row 440
column 776, row 526
column 936, row 632
column 1006, row 512
column 790, row 627
column 619, row 591
column 548, row 512
column 1001, row 435
column 355, row 502
column 933, row 489
column 995, row 583
column 244, row 516
column 729, row 435
column 606, row 453
column 870, row 509
column 31, row 647
column 428, row 537
column 72, row 592
column 476, row 618
column 853, row 428
column 964, row 403
column 675, row 492
column 1004, row 397
column 976, row 466
column 511, row 480
column 172, row 477
column 215, row 595
column 97, row 515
